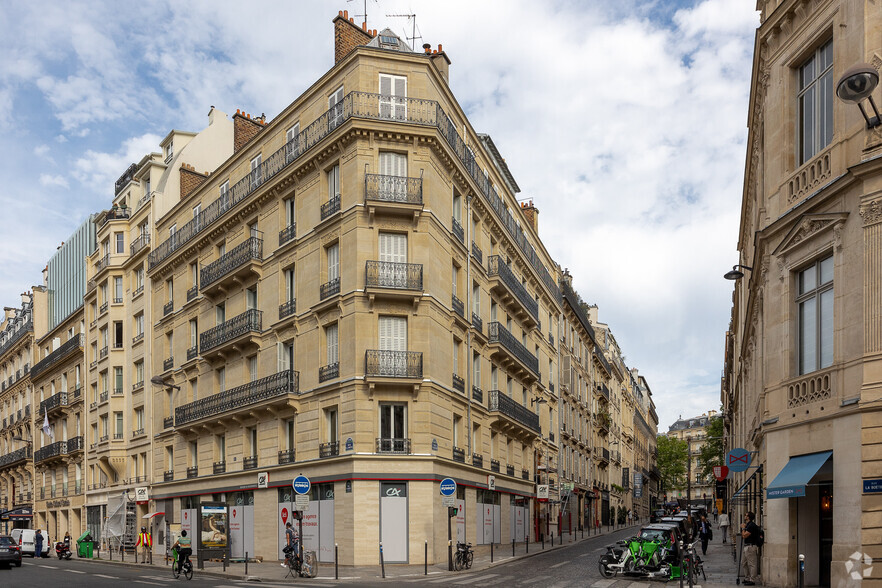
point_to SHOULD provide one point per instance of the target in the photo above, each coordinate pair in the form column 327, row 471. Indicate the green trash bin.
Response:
column 84, row 545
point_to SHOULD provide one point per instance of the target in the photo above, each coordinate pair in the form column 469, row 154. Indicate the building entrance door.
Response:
column 825, row 533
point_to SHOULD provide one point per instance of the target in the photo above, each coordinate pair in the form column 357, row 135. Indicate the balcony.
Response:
column 232, row 267
column 604, row 391
column 137, row 338
column 394, row 446
column 331, row 449
column 511, row 353
column 477, row 253
column 512, row 292
column 138, row 291
column 17, row 457
column 603, row 422
column 193, row 353
column 219, row 467
column 53, row 450
column 67, row 348
column 477, row 460
column 478, row 323
column 137, row 432
column 289, row 233
column 494, row 465
column 139, row 244
column 102, row 353
column 117, row 391
column 601, row 454
column 458, row 384
column 525, row 475
column 382, row 363
column 168, row 476
column 330, row 207
column 233, row 335
column 102, row 264
column 458, row 230
column 393, row 194
column 271, row 390
column 477, row 395
column 249, row 463
column 192, row 293
column 168, row 422
column 393, row 280
column 75, row 444
column 458, row 306
column 124, row 179
column 459, row 454
column 193, row 472
column 58, row 400
column 509, row 470
column 168, row 307
column 168, row 364
column 286, row 456
column 287, row 309
column 514, row 420
column 328, row 289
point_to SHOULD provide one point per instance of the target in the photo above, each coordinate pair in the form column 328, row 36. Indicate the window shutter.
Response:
column 399, row 86
column 334, row 261
column 331, row 335
column 385, row 84
column 393, row 247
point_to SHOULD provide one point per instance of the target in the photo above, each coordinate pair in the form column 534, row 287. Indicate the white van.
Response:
column 25, row 540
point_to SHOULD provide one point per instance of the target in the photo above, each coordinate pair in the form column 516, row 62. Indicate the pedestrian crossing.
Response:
column 489, row 579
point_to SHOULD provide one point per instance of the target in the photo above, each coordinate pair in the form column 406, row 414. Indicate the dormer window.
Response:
column 169, row 151
column 388, row 41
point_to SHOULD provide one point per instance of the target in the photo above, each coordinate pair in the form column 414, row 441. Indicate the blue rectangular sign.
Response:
column 785, row 492
column 873, row 486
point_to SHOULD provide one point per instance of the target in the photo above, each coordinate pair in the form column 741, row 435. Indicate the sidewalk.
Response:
column 719, row 566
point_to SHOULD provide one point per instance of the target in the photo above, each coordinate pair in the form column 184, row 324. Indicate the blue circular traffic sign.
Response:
column 738, row 459
column 448, row 487
column 301, row 485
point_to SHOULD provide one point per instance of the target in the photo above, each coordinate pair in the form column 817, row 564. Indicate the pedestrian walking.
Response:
column 716, row 513
column 705, row 533
column 750, row 533
column 145, row 542
column 630, row 516
column 38, row 543
column 724, row 526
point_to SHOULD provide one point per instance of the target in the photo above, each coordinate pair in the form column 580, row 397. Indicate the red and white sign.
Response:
column 720, row 472
column 284, row 516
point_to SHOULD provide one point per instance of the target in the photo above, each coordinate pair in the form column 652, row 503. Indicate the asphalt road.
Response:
column 571, row 565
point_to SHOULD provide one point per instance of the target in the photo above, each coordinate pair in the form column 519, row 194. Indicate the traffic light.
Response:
column 451, row 511
column 297, row 515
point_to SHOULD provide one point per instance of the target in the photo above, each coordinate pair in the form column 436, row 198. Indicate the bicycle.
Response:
column 179, row 568
column 464, row 556
column 305, row 568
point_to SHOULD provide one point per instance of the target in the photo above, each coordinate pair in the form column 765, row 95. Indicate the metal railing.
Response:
column 525, row 475
column 52, row 450
column 393, row 445
column 192, row 293
column 398, row 189
column 288, row 308
column 138, row 432
column 249, row 250
column 193, row 472
column 393, row 364
column 388, row 274
column 168, row 422
column 55, row 401
column 459, row 454
column 274, row 386
column 477, row 395
column 21, row 454
column 501, row 403
column 329, row 288
column 75, row 444
column 168, row 307
column 72, row 344
column 137, row 338
column 457, row 230
column 330, row 449
column 494, row 465
column 219, row 467
column 193, row 352
column 168, row 476
column 168, row 364
column 331, row 206
column 478, row 323
column 117, row 391
column 509, row 470
column 458, row 383
column 26, row 327
column 477, row 460
column 286, row 456
column 103, row 352
column 100, row 265
column 477, row 253
column 287, row 234
column 458, row 306
column 497, row 267
column 138, row 290
column 126, row 177
column 249, row 321
column 139, row 244
column 329, row 372
column 249, row 463
column 499, row 334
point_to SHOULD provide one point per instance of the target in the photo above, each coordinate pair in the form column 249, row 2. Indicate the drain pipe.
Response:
column 469, row 304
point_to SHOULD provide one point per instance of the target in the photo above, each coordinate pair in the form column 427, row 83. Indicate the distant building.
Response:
column 693, row 430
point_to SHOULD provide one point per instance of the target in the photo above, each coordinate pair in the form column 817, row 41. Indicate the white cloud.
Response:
column 50, row 180
column 98, row 170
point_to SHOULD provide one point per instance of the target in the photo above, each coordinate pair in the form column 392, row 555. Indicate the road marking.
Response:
column 472, row 580
column 563, row 563
column 145, row 582
column 76, row 572
column 640, row 585
column 48, row 567
column 603, row 583
column 108, row 577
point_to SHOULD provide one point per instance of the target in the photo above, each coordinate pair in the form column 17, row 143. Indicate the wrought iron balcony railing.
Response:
column 287, row 234
column 494, row 465
column 193, row 352
column 117, row 391
column 399, row 276
column 288, row 308
column 125, row 178
column 168, row 476
column 66, row 348
column 393, row 445
column 75, row 444
column 398, row 189
column 249, row 321
column 331, row 206
column 193, row 472
column 103, row 352
column 192, row 293
column 478, row 323
column 457, row 230
column 501, row 403
column 102, row 264
column 219, row 467
column 15, row 337
column 477, row 395
column 477, row 460
column 477, row 253
column 329, row 449
column 168, row 364
column 458, row 306
column 168, row 422
column 139, row 290
column 52, row 450
column 139, row 244
column 525, row 475
column 329, row 372
column 393, row 364
column 458, row 383
column 499, row 334
column 55, row 401
column 286, row 456
column 604, row 390
column 137, row 338
column 509, row 470
column 274, row 386
column 21, row 454
column 250, row 250
column 168, row 308
column 249, row 463
column 497, row 267
column 459, row 454
column 330, row 288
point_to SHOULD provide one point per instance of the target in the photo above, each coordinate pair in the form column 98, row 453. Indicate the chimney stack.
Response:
column 348, row 35
column 245, row 128
column 532, row 214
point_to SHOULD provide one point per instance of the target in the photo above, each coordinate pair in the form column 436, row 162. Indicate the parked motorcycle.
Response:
column 62, row 550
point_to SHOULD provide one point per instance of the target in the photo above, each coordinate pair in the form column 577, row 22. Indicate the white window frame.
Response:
column 393, row 97
column 815, row 103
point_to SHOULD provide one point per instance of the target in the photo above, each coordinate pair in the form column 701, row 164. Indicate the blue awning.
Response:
column 791, row 481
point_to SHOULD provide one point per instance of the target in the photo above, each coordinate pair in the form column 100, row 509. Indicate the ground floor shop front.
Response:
column 351, row 515
column 58, row 516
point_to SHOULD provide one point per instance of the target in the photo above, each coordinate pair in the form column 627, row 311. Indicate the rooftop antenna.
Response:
column 365, row 15
column 408, row 17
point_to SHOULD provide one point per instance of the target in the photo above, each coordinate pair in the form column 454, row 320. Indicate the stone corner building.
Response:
column 803, row 365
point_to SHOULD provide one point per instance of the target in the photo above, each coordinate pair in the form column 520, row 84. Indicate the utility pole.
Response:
column 689, row 483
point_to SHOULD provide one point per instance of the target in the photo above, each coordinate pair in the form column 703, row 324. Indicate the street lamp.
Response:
column 734, row 274
column 856, row 85
column 160, row 381
column 537, row 401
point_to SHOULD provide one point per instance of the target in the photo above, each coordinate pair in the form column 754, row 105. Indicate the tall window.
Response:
column 333, row 182
column 331, row 422
column 335, row 108
column 393, row 423
column 292, row 142
column 393, row 333
column 256, row 176
column 816, row 102
column 331, row 340
column 393, row 103
column 120, row 242
column 290, row 213
column 333, row 253
column 815, row 301
column 289, row 285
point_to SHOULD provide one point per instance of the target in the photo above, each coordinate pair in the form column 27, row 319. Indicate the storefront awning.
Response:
column 153, row 514
column 791, row 481
column 743, row 493
column 18, row 513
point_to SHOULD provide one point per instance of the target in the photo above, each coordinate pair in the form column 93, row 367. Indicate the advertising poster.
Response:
column 213, row 526
column 188, row 515
column 460, row 520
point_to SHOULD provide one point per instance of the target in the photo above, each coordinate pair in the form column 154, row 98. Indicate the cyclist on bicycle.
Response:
column 182, row 546
column 290, row 549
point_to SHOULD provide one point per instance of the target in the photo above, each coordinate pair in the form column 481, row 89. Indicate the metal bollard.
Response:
column 552, row 539
column 491, row 552
column 336, row 562
column 426, row 558
column 246, row 563
column 512, row 547
column 527, row 542
column 801, row 571
column 543, row 542
column 224, row 558
column 122, row 554
column 680, row 561
column 382, row 564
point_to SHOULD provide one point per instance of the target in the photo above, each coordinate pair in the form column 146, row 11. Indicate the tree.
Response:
column 672, row 462
column 712, row 452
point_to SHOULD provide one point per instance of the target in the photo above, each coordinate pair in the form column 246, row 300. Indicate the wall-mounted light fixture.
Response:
column 856, row 85
column 734, row 274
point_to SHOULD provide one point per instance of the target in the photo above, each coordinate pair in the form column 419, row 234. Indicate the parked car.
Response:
column 25, row 540
column 10, row 553
column 656, row 515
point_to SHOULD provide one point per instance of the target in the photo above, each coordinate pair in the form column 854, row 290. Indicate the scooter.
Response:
column 62, row 550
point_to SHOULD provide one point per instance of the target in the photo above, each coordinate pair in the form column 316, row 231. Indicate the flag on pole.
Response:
column 47, row 430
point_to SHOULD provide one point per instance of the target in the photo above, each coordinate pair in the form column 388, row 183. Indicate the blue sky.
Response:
column 625, row 122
